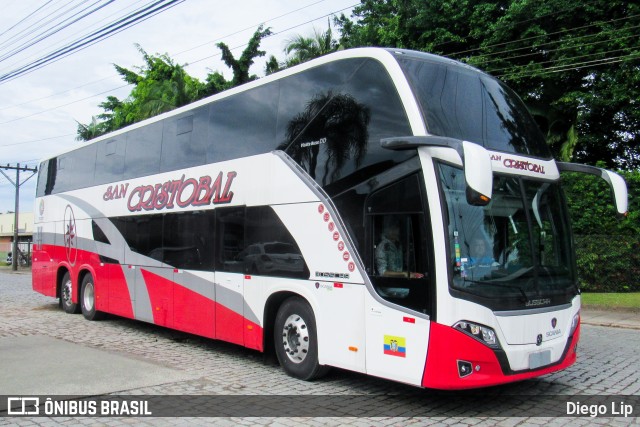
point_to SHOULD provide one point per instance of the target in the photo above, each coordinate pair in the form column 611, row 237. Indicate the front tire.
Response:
column 296, row 341
column 66, row 295
column 88, row 299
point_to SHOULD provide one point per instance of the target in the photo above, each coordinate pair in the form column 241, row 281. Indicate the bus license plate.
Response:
column 537, row 360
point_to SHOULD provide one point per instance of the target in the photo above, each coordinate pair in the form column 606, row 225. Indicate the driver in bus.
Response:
column 389, row 260
column 479, row 254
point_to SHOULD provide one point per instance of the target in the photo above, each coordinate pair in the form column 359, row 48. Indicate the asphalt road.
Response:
column 44, row 351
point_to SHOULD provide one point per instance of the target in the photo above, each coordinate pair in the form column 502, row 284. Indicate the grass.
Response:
column 612, row 301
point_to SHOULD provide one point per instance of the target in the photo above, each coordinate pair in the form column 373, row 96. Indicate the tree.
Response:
column 574, row 63
column 241, row 65
column 307, row 48
column 161, row 85
column 90, row 131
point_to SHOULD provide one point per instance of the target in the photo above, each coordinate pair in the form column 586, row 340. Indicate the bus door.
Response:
column 229, row 275
column 397, row 260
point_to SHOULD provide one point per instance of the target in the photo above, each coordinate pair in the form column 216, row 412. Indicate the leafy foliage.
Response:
column 303, row 49
column 161, row 85
column 607, row 248
column 575, row 63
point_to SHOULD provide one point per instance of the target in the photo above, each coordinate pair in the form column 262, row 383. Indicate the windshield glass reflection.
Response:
column 518, row 246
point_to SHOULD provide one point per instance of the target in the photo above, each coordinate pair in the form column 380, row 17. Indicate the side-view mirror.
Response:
column 615, row 181
column 476, row 162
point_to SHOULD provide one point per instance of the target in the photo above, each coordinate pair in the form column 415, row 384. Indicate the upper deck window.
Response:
column 463, row 103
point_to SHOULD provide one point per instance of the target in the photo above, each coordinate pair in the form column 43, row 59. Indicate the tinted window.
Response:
column 188, row 240
column 230, row 235
column 98, row 234
column 270, row 248
column 75, row 169
column 398, row 258
column 144, row 146
column 332, row 118
column 181, row 240
column 46, row 177
column 185, row 139
column 466, row 104
column 110, row 160
column 143, row 234
column 243, row 124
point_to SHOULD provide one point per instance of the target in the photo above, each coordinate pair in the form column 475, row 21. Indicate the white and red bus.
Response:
column 384, row 211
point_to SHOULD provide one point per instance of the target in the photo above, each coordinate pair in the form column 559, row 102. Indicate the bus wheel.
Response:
column 66, row 292
column 88, row 299
column 296, row 340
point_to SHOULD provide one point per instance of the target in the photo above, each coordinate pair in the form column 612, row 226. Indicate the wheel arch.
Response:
column 62, row 270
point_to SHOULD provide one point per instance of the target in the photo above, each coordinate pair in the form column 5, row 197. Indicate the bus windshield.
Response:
column 462, row 103
column 518, row 246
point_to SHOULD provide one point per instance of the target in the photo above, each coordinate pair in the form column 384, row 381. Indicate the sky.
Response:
column 40, row 110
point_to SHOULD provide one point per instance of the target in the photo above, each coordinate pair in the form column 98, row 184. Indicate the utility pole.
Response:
column 17, row 184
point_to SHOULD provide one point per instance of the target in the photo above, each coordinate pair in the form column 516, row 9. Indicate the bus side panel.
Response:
column 194, row 305
column 119, row 298
column 160, row 296
column 396, row 342
column 230, row 307
column 44, row 278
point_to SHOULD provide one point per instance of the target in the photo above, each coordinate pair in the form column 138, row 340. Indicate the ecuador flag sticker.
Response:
column 395, row 346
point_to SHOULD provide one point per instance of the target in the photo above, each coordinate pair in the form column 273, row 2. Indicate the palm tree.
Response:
column 90, row 131
column 307, row 48
column 334, row 123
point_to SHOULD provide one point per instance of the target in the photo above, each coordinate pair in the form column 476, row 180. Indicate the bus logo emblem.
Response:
column 554, row 322
column 70, row 235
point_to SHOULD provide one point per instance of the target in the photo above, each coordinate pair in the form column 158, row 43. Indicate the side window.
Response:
column 230, row 238
column 185, row 140
column 332, row 117
column 188, row 240
column 270, row 248
column 75, row 169
column 398, row 255
column 110, row 160
column 144, row 146
column 243, row 125
column 142, row 234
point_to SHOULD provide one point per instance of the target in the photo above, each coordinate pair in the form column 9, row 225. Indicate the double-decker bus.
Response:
column 383, row 211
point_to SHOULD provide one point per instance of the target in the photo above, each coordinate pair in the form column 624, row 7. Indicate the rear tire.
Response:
column 88, row 299
column 66, row 295
column 296, row 342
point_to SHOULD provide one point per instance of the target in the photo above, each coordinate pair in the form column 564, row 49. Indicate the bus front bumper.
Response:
column 456, row 361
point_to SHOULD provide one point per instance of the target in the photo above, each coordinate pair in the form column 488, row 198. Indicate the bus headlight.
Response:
column 482, row 333
column 574, row 323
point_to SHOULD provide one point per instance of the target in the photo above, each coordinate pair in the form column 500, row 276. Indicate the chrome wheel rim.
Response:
column 88, row 296
column 295, row 338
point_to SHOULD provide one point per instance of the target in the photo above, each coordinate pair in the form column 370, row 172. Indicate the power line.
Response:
column 540, row 36
column 37, row 26
column 93, row 38
column 513, row 69
column 575, row 66
column 548, row 51
column 30, row 14
column 172, row 55
column 274, row 34
column 64, row 40
column 191, row 63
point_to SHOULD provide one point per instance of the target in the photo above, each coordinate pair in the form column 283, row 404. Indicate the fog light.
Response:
column 464, row 368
